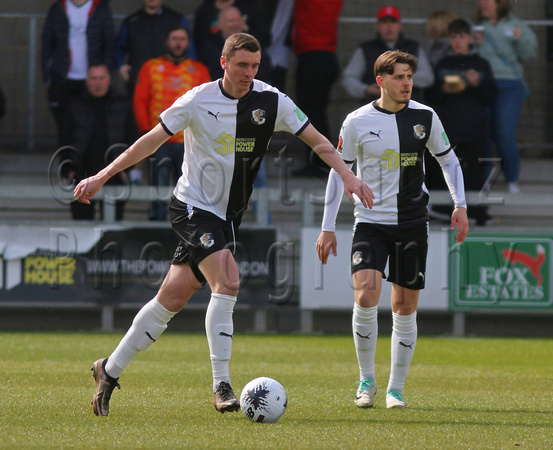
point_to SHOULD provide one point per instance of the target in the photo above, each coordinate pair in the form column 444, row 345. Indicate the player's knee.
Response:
column 367, row 297
column 228, row 286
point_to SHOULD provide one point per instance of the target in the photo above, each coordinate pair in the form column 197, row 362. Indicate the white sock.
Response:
column 219, row 330
column 404, row 340
column 365, row 332
column 146, row 328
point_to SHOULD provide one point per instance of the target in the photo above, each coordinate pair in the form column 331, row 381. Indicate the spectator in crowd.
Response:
column 142, row 37
column 160, row 82
column 206, row 20
column 230, row 21
column 506, row 42
column 463, row 90
column 99, row 130
column 76, row 34
column 438, row 45
column 279, row 46
column 359, row 79
column 314, row 41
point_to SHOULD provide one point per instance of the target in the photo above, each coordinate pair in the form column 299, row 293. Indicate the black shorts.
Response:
column 405, row 246
column 200, row 234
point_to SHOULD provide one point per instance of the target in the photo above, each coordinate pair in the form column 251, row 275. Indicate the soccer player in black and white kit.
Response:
column 227, row 126
column 388, row 138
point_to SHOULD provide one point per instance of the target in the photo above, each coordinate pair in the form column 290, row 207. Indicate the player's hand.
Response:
column 325, row 243
column 87, row 189
column 124, row 72
column 353, row 185
column 459, row 217
column 478, row 37
column 473, row 78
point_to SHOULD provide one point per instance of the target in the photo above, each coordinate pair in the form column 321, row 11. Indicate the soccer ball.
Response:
column 263, row 400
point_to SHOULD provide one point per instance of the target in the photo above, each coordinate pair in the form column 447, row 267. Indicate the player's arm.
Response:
column 454, row 178
column 327, row 152
column 333, row 198
column 141, row 149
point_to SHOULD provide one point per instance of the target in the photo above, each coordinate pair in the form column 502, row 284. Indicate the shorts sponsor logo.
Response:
column 207, row 240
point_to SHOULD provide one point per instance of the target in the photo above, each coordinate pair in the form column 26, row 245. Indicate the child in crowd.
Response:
column 464, row 88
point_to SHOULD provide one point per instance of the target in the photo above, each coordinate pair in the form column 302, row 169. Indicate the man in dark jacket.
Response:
column 142, row 37
column 99, row 126
column 77, row 34
column 358, row 78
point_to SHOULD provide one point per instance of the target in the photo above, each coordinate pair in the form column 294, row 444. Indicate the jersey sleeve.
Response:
column 289, row 117
column 179, row 115
column 438, row 142
column 348, row 143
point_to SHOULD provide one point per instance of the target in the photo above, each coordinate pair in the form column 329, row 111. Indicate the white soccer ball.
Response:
column 263, row 400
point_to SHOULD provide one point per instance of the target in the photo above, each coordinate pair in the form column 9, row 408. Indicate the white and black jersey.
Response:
column 225, row 140
column 389, row 149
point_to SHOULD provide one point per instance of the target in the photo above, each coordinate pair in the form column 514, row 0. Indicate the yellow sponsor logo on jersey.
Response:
column 226, row 144
column 391, row 159
column 245, row 145
column 409, row 159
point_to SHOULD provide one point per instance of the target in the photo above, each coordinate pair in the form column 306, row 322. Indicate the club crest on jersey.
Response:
column 207, row 240
column 357, row 258
column 258, row 117
column 340, row 145
column 419, row 131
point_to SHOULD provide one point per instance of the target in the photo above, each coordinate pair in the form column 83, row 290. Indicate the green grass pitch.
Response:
column 463, row 393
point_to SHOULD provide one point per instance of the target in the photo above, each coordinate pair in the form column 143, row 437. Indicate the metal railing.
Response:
column 310, row 201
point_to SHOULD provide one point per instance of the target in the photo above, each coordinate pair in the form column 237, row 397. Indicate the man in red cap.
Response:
column 358, row 77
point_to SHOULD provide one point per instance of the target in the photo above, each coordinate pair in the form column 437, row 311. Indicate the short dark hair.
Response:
column 459, row 26
column 174, row 28
column 385, row 63
column 240, row 41
column 98, row 64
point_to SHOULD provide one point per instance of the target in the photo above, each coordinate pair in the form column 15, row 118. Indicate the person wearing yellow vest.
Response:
column 160, row 82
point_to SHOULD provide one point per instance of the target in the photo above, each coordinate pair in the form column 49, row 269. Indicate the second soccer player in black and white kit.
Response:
column 227, row 126
column 388, row 138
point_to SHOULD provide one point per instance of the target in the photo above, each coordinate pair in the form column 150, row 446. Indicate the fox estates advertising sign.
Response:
column 502, row 272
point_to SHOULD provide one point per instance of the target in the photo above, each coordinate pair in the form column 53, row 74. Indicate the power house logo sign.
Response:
column 502, row 272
